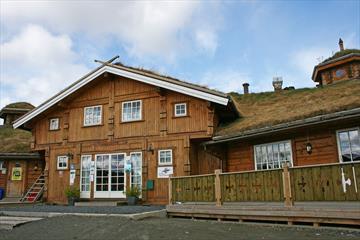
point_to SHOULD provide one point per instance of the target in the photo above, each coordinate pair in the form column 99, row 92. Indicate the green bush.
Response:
column 72, row 192
column 133, row 192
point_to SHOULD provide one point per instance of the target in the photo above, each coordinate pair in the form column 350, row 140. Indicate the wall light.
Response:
column 308, row 148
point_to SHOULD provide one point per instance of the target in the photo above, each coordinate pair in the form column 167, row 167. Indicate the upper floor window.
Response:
column 131, row 111
column 180, row 109
column 54, row 124
column 349, row 145
column 92, row 115
column 273, row 155
column 62, row 162
column 165, row 157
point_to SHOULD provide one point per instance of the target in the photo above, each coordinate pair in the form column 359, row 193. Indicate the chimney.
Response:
column 246, row 88
column 341, row 44
column 277, row 83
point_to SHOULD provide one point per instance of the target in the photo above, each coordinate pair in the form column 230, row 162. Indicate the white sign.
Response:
column 164, row 172
column 72, row 176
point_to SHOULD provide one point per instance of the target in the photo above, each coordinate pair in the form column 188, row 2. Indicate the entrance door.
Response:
column 15, row 183
column 109, row 176
column 85, row 176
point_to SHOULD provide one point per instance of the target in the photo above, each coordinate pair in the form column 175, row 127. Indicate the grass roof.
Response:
column 341, row 53
column 14, row 140
column 270, row 108
column 23, row 105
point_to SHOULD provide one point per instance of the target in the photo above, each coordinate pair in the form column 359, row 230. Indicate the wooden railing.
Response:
column 329, row 182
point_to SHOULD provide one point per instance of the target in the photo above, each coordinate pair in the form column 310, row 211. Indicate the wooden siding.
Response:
column 158, row 129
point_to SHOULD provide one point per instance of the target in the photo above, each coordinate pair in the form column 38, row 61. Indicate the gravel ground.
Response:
column 75, row 227
column 72, row 209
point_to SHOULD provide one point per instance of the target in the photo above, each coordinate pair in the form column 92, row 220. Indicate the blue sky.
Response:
column 44, row 46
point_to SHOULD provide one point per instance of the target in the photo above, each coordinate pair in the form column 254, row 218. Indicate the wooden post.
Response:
column 170, row 190
column 288, row 201
column 218, row 188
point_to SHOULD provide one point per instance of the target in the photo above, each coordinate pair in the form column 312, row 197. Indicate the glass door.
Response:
column 136, row 170
column 109, row 176
column 85, row 176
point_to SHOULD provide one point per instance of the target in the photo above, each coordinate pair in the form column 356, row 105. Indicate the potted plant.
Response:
column 73, row 194
column 132, row 195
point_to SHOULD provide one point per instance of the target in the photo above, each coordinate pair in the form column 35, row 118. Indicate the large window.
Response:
column 92, row 115
column 349, row 145
column 131, row 111
column 136, row 169
column 272, row 155
column 165, row 157
column 62, row 162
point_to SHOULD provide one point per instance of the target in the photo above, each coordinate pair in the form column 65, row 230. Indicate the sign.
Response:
column 72, row 174
column 16, row 174
column 127, row 164
column 165, row 172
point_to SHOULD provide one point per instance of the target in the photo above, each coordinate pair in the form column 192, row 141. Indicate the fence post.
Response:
column 217, row 187
column 288, row 201
column 170, row 190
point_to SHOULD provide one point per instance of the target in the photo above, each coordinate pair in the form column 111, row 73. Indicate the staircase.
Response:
column 35, row 191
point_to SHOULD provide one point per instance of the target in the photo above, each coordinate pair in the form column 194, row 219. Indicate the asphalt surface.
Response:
column 76, row 227
column 73, row 209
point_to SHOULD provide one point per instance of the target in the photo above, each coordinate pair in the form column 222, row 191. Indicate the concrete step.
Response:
column 8, row 223
column 98, row 204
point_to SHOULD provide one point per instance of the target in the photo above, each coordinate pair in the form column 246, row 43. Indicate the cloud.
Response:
column 35, row 64
column 145, row 29
column 305, row 59
column 226, row 80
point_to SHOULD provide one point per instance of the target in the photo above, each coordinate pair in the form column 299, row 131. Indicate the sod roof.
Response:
column 340, row 54
column 266, row 109
column 22, row 105
column 14, row 140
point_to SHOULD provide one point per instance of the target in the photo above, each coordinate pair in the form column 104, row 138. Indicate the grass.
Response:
column 342, row 53
column 20, row 105
column 271, row 108
column 14, row 140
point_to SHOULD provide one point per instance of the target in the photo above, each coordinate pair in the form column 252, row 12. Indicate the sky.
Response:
column 46, row 45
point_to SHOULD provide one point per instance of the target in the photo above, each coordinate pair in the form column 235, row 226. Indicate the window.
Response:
column 180, row 109
column 131, row 111
column 92, row 115
column 136, row 169
column 54, row 123
column 165, row 157
column 272, row 155
column 62, row 162
column 1, row 165
column 349, row 145
column 85, row 173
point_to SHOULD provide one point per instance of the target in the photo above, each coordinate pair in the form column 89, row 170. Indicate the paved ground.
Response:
column 72, row 209
column 75, row 227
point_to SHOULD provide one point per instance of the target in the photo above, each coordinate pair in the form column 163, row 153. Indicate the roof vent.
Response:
column 277, row 83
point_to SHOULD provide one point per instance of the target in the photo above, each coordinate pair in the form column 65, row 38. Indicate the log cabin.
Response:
column 120, row 126
column 19, row 167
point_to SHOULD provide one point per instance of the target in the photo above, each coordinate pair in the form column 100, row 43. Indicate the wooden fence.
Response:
column 329, row 182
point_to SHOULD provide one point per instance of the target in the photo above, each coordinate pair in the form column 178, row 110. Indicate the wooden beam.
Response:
column 218, row 188
column 288, row 201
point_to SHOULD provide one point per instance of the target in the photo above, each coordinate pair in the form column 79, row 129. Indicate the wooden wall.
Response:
column 240, row 155
column 158, row 129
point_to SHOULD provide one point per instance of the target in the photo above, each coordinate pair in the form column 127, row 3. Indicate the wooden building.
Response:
column 120, row 126
column 19, row 167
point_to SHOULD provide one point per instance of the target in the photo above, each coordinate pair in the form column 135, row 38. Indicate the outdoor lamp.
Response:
column 70, row 155
column 150, row 149
column 308, row 148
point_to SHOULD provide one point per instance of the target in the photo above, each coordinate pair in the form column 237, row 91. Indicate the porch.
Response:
column 320, row 194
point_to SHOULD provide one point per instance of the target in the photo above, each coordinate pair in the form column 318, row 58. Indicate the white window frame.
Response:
column 57, row 124
column 167, row 163
column 67, row 162
column 338, row 141
column 141, row 178
column 180, row 114
column 92, row 124
column 122, row 111
column 85, row 194
column 277, row 142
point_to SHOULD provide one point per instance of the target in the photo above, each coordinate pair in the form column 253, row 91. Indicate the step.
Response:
column 97, row 204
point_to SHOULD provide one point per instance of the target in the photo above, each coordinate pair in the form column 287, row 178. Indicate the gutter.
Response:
column 342, row 115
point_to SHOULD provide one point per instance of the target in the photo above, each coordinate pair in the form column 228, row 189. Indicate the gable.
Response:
column 176, row 86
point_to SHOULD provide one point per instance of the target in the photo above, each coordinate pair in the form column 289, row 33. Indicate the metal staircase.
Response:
column 35, row 191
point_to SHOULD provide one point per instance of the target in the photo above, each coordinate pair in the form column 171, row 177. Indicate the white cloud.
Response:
column 163, row 29
column 227, row 80
column 306, row 59
column 35, row 64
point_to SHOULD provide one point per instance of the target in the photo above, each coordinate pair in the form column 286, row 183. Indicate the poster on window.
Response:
column 16, row 174
column 165, row 172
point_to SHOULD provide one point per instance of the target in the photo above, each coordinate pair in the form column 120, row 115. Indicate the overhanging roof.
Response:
column 177, row 87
